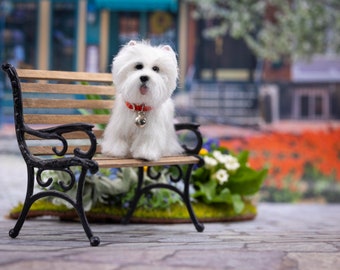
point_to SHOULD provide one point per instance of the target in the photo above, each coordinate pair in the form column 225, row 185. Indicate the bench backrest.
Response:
column 52, row 98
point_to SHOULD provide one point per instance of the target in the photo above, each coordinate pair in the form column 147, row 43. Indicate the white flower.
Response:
column 209, row 162
column 231, row 163
column 222, row 176
column 221, row 158
column 216, row 154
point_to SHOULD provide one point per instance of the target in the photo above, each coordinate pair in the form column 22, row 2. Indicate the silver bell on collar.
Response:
column 140, row 120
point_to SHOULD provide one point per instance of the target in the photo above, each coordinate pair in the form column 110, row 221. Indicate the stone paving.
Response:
column 283, row 236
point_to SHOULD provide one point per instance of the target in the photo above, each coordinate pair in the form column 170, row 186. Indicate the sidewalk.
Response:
column 282, row 237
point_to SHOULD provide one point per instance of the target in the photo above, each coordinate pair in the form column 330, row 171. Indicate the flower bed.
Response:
column 301, row 166
column 221, row 190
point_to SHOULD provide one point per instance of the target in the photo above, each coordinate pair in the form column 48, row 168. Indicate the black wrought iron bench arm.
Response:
column 81, row 158
column 192, row 127
column 57, row 132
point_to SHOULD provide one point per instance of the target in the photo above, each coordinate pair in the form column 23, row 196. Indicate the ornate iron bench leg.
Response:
column 185, row 195
column 27, row 204
column 94, row 240
column 186, row 198
column 77, row 204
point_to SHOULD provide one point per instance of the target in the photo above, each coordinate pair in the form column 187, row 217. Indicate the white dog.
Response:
column 142, row 124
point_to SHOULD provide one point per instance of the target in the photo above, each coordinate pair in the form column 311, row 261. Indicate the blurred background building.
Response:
column 223, row 81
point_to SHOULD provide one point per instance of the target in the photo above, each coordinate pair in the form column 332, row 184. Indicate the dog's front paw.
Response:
column 146, row 154
column 116, row 150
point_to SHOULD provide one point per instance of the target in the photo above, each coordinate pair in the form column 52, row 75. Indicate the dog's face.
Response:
column 145, row 74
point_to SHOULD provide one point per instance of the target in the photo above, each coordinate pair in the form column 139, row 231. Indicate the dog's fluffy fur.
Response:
column 143, row 74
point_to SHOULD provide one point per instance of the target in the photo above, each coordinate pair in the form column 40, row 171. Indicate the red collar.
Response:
column 138, row 107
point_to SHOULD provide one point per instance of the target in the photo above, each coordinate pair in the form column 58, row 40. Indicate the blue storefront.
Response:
column 80, row 35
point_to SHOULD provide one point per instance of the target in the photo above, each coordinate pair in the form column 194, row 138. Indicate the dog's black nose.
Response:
column 144, row 79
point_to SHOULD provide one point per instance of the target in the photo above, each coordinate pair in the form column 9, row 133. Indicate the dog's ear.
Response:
column 167, row 48
column 132, row 43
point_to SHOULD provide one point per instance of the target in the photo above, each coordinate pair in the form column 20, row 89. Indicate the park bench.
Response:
column 52, row 134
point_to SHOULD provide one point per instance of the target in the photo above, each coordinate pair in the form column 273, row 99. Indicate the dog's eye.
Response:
column 139, row 66
column 155, row 68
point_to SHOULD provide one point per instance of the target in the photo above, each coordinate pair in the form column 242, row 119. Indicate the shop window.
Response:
column 129, row 25
column 304, row 108
column 311, row 103
column 63, row 36
column 222, row 58
column 19, row 35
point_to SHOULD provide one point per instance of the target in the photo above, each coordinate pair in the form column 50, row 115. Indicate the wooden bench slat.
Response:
column 72, row 135
column 46, row 150
column 113, row 162
column 64, row 75
column 67, row 104
column 108, row 90
column 43, row 150
column 110, row 162
column 46, row 119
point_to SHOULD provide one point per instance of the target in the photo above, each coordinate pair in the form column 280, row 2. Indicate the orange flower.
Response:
column 288, row 155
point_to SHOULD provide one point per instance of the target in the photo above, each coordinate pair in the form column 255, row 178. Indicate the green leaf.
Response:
column 238, row 203
column 206, row 191
column 243, row 158
column 163, row 198
column 84, row 111
column 246, row 181
column 223, row 197
column 208, row 194
column 200, row 175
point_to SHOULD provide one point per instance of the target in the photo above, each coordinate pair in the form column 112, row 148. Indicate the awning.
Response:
column 138, row 5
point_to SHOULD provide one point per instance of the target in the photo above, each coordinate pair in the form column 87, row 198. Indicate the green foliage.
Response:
column 246, row 181
column 226, row 178
column 284, row 195
column 119, row 190
column 275, row 28
column 313, row 186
